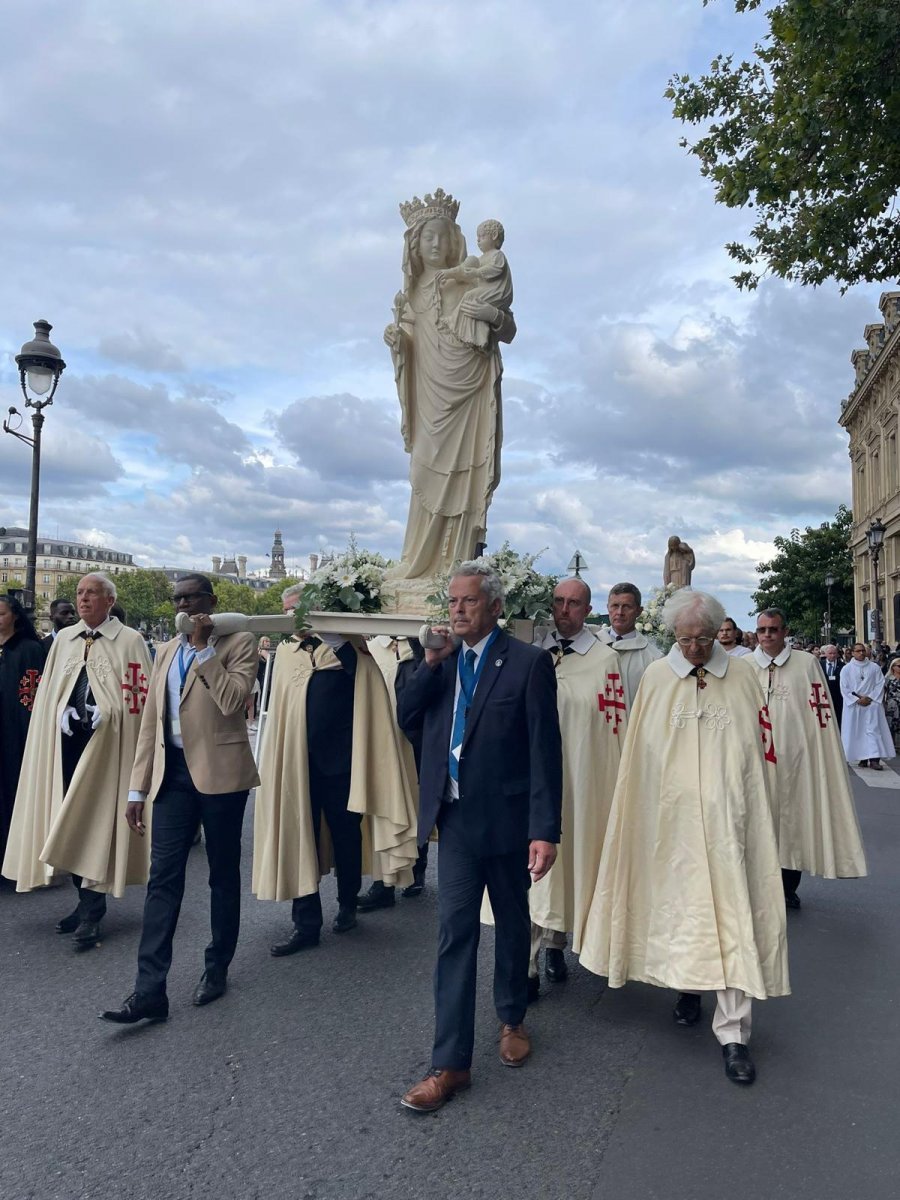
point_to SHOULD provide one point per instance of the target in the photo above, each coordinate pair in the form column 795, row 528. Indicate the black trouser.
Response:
column 790, row 880
column 91, row 905
column 329, row 794
column 462, row 877
column 176, row 811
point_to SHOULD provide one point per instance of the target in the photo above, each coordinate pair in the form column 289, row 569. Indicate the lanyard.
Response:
column 183, row 667
column 467, row 688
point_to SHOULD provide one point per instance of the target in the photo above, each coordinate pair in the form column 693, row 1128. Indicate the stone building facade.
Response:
column 57, row 559
column 870, row 416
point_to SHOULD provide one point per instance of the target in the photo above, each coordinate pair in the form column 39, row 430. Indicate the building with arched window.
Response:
column 869, row 414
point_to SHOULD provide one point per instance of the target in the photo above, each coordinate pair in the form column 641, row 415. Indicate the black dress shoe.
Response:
column 68, row 924
column 345, row 920
column 212, row 985
column 86, row 936
column 555, row 965
column 299, row 940
column 378, row 896
column 738, row 1064
column 534, row 988
column 791, row 900
column 687, row 1009
column 138, row 1008
column 417, row 887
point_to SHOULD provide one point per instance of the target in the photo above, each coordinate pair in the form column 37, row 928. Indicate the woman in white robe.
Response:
column 864, row 728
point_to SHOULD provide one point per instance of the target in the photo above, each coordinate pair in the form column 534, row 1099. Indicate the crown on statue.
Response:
column 415, row 211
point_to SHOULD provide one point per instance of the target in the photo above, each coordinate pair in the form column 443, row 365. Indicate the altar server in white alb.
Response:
column 815, row 818
column 636, row 650
column 864, row 730
column 688, row 893
column 592, row 720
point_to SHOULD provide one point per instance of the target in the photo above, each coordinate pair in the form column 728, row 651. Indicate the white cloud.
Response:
column 216, row 238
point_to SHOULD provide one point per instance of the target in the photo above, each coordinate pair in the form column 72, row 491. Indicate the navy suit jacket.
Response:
column 510, row 767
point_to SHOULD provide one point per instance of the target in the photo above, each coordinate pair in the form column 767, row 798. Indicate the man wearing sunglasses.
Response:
column 194, row 765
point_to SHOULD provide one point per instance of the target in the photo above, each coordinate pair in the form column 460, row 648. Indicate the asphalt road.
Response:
column 287, row 1089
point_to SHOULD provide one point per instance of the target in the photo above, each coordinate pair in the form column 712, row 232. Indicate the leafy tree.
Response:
column 794, row 580
column 269, row 601
column 808, row 132
column 144, row 595
column 234, row 597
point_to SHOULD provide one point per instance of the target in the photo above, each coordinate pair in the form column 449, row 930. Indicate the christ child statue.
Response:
column 489, row 281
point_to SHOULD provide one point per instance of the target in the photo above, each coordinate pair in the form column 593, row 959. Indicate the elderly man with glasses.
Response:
column 194, row 765
column 688, row 893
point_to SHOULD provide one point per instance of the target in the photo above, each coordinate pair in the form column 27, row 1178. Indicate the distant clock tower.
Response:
column 276, row 570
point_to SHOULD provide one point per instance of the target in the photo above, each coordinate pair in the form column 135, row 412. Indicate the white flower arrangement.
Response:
column 350, row 582
column 529, row 594
column 649, row 622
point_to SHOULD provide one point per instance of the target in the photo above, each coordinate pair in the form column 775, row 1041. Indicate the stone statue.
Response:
column 679, row 564
column 448, row 321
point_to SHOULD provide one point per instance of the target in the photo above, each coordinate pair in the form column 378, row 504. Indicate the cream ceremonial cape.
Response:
column 591, row 704
column 815, row 818
column 83, row 831
column 636, row 653
column 285, row 863
column 689, row 891
column 388, row 657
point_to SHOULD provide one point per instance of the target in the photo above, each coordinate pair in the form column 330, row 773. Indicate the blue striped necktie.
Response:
column 463, row 703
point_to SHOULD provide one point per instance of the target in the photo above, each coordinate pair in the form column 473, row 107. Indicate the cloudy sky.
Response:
column 202, row 198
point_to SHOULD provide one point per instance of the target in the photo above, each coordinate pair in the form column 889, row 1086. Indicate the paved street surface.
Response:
column 287, row 1089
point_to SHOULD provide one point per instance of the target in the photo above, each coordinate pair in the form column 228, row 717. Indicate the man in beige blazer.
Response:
column 193, row 764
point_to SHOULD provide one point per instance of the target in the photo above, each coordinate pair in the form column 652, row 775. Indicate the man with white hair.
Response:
column 688, row 893
column 636, row 650
column 73, row 790
column 815, row 818
column 491, row 779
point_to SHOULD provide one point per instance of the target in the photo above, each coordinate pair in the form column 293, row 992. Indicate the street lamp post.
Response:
column 875, row 537
column 40, row 366
column 829, row 583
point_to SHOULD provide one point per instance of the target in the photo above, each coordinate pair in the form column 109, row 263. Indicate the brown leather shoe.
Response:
column 436, row 1089
column 515, row 1045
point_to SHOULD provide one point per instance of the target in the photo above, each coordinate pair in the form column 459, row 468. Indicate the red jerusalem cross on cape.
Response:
column 612, row 700
column 28, row 687
column 820, row 704
column 134, row 685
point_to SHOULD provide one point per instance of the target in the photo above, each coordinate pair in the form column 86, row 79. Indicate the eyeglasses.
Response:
column 191, row 597
column 684, row 641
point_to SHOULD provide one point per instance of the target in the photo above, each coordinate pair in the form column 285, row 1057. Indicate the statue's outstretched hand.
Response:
column 393, row 336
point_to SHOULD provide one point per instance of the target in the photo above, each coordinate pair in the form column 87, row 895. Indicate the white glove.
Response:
column 334, row 640
column 68, row 714
column 93, row 711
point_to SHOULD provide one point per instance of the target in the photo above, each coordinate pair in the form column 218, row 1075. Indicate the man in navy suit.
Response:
column 491, row 779
column 831, row 664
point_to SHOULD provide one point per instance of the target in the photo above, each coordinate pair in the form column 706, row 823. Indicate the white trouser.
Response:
column 543, row 937
column 732, row 1018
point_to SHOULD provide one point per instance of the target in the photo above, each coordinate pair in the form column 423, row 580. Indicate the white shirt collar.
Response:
column 479, row 647
column 717, row 665
column 580, row 643
column 762, row 659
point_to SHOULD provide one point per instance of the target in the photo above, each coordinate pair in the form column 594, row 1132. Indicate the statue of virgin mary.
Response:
column 449, row 394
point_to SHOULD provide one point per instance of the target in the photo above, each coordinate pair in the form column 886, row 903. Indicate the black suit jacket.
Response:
column 510, row 767
column 834, row 685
